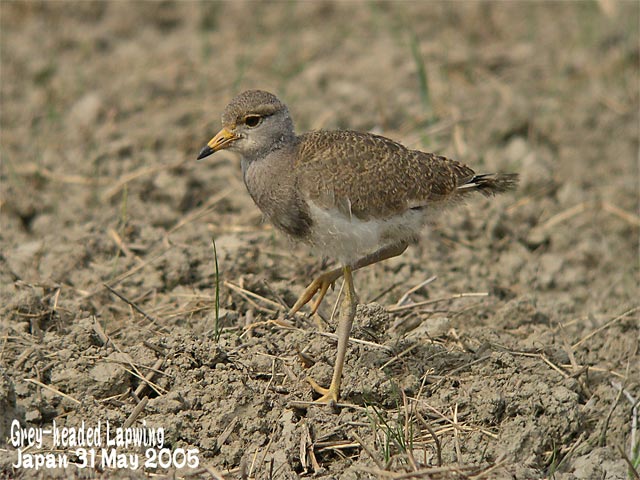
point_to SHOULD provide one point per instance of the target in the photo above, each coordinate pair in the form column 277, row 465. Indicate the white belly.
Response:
column 347, row 239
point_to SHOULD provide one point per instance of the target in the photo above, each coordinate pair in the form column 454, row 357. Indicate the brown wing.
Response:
column 369, row 176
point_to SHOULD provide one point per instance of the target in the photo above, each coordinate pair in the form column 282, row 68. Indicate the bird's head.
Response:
column 253, row 124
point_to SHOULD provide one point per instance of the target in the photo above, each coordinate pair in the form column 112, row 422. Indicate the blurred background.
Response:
column 106, row 104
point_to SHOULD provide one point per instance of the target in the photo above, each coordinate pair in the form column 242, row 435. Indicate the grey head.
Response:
column 254, row 124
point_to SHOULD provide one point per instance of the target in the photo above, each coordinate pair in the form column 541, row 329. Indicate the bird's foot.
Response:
column 329, row 395
column 320, row 285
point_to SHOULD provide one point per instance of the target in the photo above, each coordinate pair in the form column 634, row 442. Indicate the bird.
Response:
column 355, row 197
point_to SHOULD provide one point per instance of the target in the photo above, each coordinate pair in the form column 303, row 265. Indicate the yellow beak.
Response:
column 221, row 141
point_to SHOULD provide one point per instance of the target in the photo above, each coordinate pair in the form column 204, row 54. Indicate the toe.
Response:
column 329, row 395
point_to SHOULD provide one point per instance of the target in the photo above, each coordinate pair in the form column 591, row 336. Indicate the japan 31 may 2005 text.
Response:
column 97, row 447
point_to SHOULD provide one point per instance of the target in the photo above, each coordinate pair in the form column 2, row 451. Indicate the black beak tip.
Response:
column 205, row 152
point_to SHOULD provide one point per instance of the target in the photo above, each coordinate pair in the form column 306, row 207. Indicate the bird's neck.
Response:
column 286, row 140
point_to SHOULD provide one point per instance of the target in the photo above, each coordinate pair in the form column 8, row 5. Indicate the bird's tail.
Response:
column 489, row 184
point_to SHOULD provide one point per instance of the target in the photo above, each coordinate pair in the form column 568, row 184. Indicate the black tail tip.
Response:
column 492, row 183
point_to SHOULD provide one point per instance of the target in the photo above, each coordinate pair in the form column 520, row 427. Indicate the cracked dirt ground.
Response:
column 523, row 362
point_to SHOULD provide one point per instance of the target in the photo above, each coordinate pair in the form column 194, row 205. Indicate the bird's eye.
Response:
column 252, row 120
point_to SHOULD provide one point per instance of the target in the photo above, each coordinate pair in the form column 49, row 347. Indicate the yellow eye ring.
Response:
column 252, row 120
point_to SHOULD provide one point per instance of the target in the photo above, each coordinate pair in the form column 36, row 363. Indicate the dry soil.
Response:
column 522, row 360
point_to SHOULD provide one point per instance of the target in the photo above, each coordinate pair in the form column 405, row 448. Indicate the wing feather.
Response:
column 368, row 175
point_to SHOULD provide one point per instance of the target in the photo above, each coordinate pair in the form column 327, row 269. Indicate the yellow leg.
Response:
column 347, row 314
column 324, row 281
column 320, row 284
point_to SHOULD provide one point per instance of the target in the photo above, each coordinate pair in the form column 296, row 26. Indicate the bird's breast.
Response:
column 272, row 185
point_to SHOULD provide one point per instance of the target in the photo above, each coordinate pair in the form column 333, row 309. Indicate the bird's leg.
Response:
column 347, row 314
column 320, row 284
column 323, row 282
